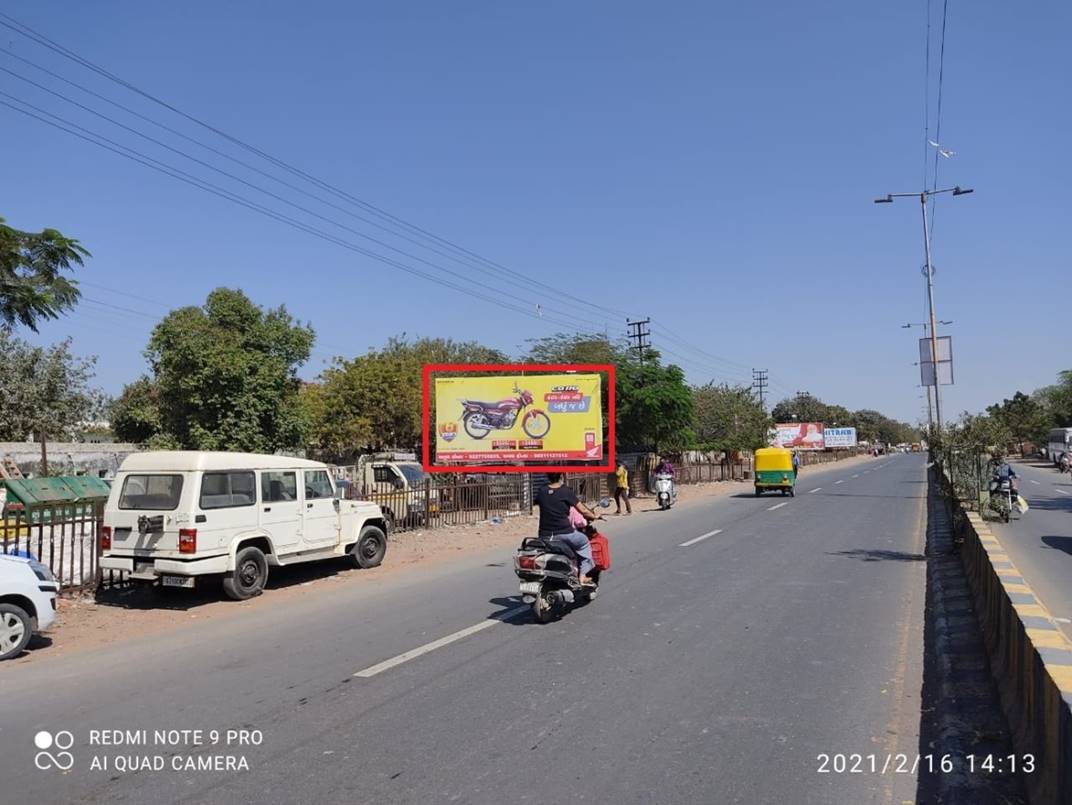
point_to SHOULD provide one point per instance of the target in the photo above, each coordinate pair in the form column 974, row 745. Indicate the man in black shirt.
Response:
column 554, row 502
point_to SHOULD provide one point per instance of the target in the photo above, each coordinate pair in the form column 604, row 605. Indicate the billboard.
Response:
column 839, row 437
column 945, row 361
column 800, row 435
column 519, row 418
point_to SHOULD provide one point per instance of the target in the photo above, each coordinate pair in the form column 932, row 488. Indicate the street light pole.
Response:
column 934, row 318
column 923, row 196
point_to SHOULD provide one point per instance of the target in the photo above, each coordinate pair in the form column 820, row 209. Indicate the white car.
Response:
column 173, row 516
column 27, row 602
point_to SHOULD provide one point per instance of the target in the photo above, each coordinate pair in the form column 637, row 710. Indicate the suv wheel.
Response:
column 249, row 576
column 370, row 547
column 16, row 628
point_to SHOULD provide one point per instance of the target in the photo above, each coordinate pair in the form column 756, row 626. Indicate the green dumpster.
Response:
column 70, row 497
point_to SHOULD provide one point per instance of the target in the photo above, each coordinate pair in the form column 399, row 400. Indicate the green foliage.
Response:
column 374, row 401
column 32, row 285
column 44, row 391
column 224, row 378
column 1024, row 417
column 135, row 415
column 871, row 426
column 728, row 418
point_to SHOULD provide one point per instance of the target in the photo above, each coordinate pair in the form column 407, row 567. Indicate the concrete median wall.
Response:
column 1030, row 659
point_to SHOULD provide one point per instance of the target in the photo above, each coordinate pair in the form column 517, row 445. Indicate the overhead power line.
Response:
column 183, row 176
column 44, row 41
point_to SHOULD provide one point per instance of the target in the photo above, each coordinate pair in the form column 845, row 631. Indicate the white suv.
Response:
column 27, row 602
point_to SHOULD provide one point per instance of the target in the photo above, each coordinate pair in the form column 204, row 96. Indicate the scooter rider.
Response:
column 554, row 502
column 1003, row 472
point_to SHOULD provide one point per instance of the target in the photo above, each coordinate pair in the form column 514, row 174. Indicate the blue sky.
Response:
column 711, row 165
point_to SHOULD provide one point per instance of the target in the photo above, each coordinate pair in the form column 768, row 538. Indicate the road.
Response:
column 1039, row 542
column 734, row 642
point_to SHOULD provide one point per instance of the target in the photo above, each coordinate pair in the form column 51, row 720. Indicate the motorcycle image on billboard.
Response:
column 519, row 418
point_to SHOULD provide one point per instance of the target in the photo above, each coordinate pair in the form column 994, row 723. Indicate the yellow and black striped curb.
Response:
column 1030, row 658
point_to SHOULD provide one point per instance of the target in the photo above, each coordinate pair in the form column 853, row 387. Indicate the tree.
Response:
column 1024, row 416
column 373, row 401
column 32, row 285
column 135, row 415
column 224, row 378
column 653, row 402
column 654, row 405
column 801, row 408
column 43, row 391
column 728, row 418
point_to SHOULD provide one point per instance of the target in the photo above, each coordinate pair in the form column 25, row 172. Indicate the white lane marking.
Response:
column 1036, row 483
column 1063, row 620
column 372, row 670
column 1063, row 492
column 813, row 491
column 838, row 482
column 694, row 540
column 856, row 476
column 777, row 506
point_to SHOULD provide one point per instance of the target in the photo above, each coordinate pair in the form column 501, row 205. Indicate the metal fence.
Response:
column 64, row 537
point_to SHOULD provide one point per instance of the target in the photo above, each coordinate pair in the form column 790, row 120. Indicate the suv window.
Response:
column 223, row 490
column 318, row 485
column 277, row 487
column 151, row 492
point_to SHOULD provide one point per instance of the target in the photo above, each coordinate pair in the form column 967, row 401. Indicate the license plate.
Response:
column 530, row 588
column 177, row 581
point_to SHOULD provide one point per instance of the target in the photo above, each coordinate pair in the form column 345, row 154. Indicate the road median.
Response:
column 1030, row 659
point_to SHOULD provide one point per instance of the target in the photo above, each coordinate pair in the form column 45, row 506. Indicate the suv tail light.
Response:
column 106, row 537
column 187, row 540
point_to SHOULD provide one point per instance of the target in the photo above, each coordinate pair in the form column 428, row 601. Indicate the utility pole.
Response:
column 639, row 335
column 926, row 329
column 759, row 385
column 923, row 196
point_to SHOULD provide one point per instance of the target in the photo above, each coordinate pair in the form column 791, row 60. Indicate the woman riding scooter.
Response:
column 555, row 501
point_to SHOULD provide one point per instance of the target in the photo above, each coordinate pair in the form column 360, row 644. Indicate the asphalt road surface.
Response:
column 734, row 643
column 1039, row 542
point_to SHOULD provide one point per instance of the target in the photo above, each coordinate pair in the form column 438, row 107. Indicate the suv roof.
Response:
column 191, row 460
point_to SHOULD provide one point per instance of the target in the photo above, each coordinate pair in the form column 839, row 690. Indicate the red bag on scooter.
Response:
column 600, row 551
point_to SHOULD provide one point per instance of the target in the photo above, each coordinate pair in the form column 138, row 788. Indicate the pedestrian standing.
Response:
column 621, row 489
column 796, row 465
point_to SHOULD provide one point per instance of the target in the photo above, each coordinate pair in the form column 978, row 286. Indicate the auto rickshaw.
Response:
column 774, row 470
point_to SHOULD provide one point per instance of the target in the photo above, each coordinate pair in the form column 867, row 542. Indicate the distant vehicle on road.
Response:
column 173, row 516
column 27, row 602
column 1059, row 443
column 774, row 470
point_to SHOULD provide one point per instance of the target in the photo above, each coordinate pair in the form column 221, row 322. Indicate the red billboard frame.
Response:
column 546, row 368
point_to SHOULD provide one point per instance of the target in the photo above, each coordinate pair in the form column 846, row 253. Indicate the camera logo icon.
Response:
column 61, row 741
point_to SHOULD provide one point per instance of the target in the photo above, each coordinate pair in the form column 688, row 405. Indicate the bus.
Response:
column 1058, row 444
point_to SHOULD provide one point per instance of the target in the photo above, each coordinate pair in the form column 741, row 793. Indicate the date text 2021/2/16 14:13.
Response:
column 840, row 763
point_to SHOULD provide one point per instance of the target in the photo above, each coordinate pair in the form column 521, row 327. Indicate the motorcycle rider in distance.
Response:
column 664, row 467
column 1003, row 472
column 555, row 501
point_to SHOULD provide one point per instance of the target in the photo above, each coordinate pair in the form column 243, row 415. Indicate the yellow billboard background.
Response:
column 522, row 418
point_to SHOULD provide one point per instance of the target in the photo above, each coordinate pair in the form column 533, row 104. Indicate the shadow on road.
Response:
column 1061, row 504
column 868, row 555
column 505, row 604
column 1059, row 543
column 209, row 590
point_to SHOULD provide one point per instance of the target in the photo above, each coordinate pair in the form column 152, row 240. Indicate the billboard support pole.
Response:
column 934, row 318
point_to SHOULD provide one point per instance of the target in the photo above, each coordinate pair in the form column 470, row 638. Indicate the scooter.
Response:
column 665, row 493
column 480, row 418
column 550, row 576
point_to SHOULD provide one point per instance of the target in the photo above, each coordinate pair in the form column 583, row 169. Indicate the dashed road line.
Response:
column 838, row 482
column 778, row 505
column 694, row 540
column 1036, row 483
column 813, row 491
column 386, row 665
column 1061, row 491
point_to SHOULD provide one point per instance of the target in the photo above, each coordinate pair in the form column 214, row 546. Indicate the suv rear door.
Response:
column 145, row 518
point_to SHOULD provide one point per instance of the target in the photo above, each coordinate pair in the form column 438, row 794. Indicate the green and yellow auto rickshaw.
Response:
column 774, row 470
